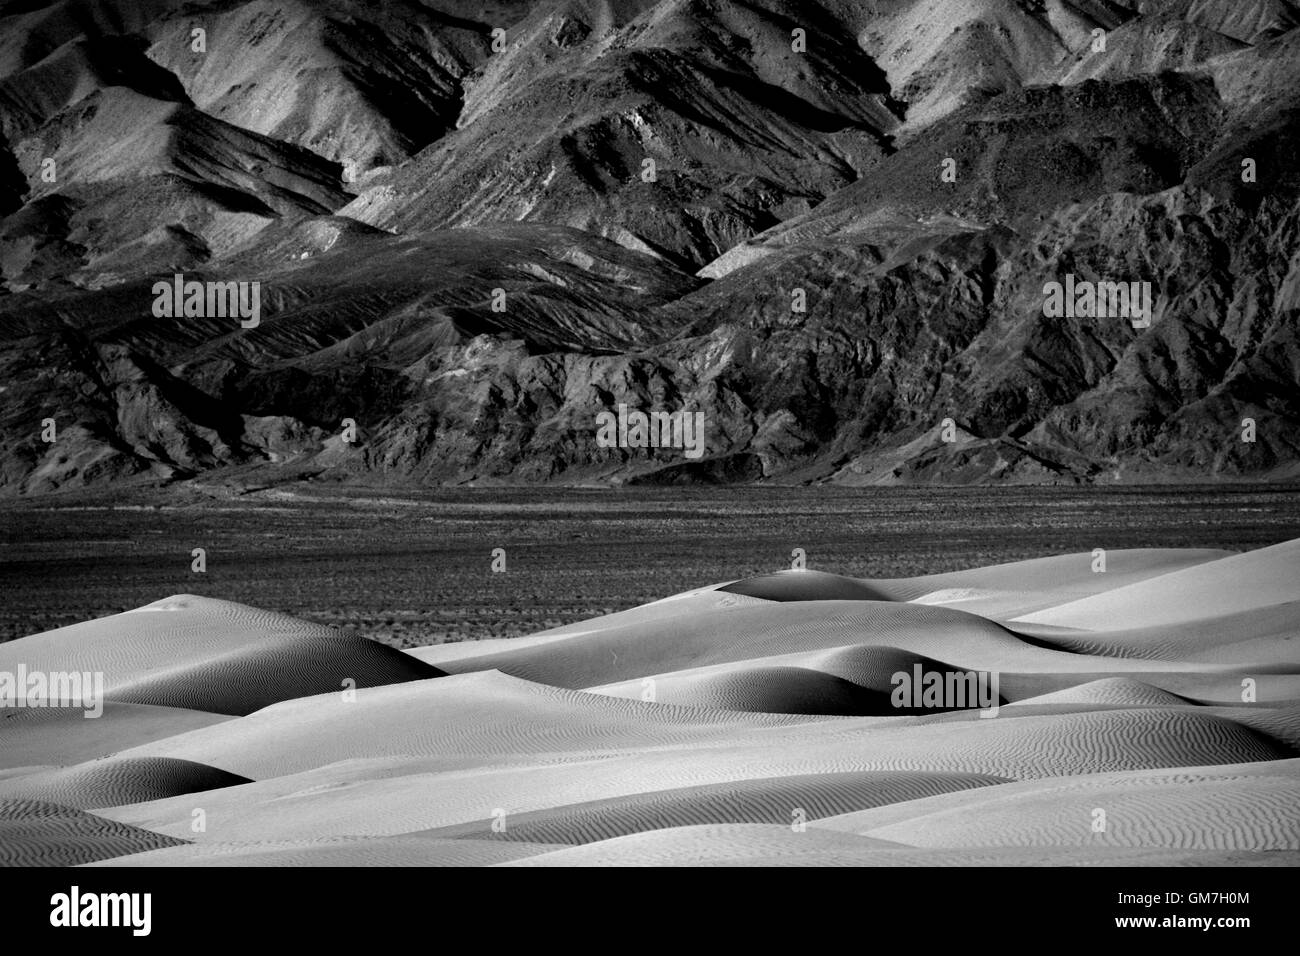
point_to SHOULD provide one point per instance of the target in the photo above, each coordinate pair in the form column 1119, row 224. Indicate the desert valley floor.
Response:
column 1149, row 714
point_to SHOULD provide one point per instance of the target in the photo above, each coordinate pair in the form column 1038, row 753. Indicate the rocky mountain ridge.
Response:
column 475, row 230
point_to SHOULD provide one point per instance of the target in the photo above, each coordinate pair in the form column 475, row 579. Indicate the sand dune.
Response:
column 33, row 833
column 1247, row 807
column 753, row 845
column 63, row 736
column 1041, row 582
column 846, row 681
column 471, row 715
column 677, row 606
column 759, row 689
column 727, row 634
column 1066, row 573
column 1262, row 636
column 806, row 586
column 1144, row 689
column 107, row 783
column 479, row 715
column 737, row 724
column 1244, row 582
column 465, row 775
column 760, row 619
column 1280, row 723
column 203, row 654
column 771, row 800
column 719, row 844
column 531, row 833
column 870, row 669
column 343, row 851
column 1111, row 691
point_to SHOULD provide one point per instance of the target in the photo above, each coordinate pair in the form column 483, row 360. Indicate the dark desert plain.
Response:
column 413, row 567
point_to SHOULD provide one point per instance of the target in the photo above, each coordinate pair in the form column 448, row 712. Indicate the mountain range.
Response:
column 827, row 225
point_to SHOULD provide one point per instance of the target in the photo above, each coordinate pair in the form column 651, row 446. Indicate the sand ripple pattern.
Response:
column 34, row 833
column 1147, row 716
column 109, row 783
